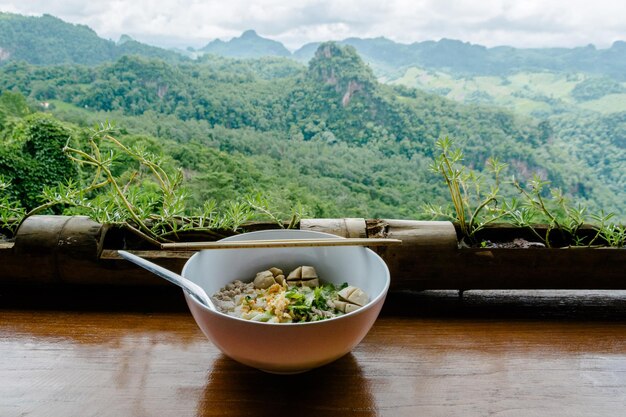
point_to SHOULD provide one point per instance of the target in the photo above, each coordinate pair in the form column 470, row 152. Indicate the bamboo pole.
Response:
column 279, row 243
column 54, row 249
column 345, row 227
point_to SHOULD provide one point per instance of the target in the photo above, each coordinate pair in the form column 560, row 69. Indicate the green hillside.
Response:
column 538, row 94
column 248, row 45
column 329, row 135
column 47, row 40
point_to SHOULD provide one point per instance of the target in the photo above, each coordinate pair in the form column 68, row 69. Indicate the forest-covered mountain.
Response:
column 537, row 82
column 464, row 58
column 248, row 45
column 328, row 134
column 48, row 40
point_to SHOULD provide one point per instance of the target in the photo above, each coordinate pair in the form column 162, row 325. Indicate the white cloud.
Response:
column 530, row 23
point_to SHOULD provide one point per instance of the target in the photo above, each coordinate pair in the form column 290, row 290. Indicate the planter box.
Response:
column 423, row 263
column 467, row 269
column 51, row 250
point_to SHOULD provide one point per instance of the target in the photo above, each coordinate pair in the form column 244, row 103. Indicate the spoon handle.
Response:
column 192, row 288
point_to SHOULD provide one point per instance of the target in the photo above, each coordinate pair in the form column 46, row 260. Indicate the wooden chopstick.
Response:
column 280, row 243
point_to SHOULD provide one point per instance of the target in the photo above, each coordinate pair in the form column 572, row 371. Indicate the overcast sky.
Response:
column 521, row 23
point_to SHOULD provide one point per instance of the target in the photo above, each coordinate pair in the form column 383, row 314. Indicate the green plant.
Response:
column 556, row 214
column 11, row 212
column 261, row 204
column 613, row 234
column 32, row 158
column 539, row 208
column 473, row 207
column 145, row 198
column 120, row 200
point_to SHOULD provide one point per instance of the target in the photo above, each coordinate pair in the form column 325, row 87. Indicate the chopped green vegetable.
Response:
column 308, row 304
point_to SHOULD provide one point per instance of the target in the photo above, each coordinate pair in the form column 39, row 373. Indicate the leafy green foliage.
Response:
column 13, row 106
column 136, row 189
column 613, row 234
column 11, row 212
column 474, row 208
column 262, row 137
column 33, row 159
column 595, row 88
column 556, row 214
column 294, row 138
column 327, row 136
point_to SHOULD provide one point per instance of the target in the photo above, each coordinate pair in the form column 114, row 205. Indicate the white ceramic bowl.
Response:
column 287, row 347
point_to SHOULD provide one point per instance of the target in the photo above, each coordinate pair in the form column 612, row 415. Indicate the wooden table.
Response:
column 498, row 355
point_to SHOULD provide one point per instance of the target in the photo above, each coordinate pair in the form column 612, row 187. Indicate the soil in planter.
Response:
column 5, row 236
column 507, row 236
column 515, row 244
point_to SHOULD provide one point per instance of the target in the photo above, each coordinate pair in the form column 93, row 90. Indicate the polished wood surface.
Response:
column 488, row 354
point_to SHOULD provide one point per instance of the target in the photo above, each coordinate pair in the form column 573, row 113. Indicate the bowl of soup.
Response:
column 284, row 340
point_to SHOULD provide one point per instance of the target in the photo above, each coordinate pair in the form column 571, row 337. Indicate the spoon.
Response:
column 192, row 289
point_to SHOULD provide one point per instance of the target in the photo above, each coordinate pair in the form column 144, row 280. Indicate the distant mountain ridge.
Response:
column 465, row 58
column 48, row 40
column 248, row 45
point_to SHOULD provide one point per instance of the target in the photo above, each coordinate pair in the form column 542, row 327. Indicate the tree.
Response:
column 34, row 158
